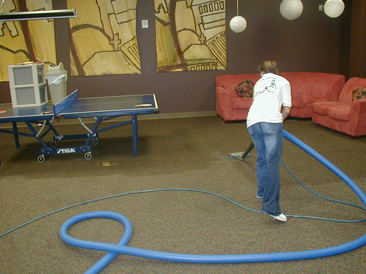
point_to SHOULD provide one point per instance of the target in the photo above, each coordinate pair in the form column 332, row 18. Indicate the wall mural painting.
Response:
column 26, row 41
column 190, row 35
column 103, row 38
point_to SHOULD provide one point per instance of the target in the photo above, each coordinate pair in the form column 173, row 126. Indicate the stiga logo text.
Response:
column 66, row 150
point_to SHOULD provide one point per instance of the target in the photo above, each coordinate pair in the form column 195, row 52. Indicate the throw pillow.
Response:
column 359, row 93
column 245, row 89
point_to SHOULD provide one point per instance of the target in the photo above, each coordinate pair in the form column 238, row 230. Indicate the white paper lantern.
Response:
column 238, row 24
column 334, row 8
column 291, row 9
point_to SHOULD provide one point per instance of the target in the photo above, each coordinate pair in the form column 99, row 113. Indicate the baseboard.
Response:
column 177, row 115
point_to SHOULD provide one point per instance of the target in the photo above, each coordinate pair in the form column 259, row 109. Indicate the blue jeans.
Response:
column 268, row 142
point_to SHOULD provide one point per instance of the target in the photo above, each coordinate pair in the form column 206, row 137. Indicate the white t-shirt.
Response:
column 271, row 92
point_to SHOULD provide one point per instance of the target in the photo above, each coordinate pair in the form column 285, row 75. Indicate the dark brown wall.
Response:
column 309, row 43
column 358, row 39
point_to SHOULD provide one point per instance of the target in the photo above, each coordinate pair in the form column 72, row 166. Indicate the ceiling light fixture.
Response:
column 291, row 9
column 333, row 8
column 238, row 23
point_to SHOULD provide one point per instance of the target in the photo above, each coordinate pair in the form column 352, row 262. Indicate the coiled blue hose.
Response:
column 122, row 248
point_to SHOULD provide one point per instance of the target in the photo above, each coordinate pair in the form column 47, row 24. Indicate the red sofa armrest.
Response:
column 224, row 103
column 358, row 117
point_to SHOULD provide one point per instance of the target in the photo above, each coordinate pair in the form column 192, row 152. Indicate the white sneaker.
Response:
column 281, row 217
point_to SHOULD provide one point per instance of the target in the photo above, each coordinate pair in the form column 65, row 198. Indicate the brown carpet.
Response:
column 189, row 153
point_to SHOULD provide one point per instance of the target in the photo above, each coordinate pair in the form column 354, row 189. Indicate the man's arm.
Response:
column 285, row 112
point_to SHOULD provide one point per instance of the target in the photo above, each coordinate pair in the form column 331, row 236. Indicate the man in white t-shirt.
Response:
column 271, row 106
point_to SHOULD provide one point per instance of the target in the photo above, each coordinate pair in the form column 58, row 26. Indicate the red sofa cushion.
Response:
column 309, row 87
column 340, row 112
column 241, row 103
column 323, row 107
column 335, row 110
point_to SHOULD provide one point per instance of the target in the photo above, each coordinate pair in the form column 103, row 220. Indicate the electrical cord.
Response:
column 192, row 190
column 124, row 194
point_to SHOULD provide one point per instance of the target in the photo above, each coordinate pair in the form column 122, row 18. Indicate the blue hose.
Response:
column 121, row 248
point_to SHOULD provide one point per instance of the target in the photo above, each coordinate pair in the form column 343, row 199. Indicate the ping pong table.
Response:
column 72, row 107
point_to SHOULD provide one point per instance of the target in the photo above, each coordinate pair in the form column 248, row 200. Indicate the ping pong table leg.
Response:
column 36, row 135
column 134, row 134
column 16, row 137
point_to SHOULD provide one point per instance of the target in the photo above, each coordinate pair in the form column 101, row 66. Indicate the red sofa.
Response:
column 348, row 113
column 306, row 88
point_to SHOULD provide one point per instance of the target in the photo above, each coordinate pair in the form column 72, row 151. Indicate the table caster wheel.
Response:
column 95, row 141
column 41, row 158
column 88, row 156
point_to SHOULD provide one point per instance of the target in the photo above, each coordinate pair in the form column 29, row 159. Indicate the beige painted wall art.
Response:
column 103, row 38
column 26, row 41
column 190, row 35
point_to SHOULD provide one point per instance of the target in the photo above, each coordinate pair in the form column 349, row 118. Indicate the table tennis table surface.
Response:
column 22, row 114
column 74, row 107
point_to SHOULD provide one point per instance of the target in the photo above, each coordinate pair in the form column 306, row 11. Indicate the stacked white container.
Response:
column 27, row 85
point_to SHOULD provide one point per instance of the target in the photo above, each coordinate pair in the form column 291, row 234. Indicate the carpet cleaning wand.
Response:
column 242, row 155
